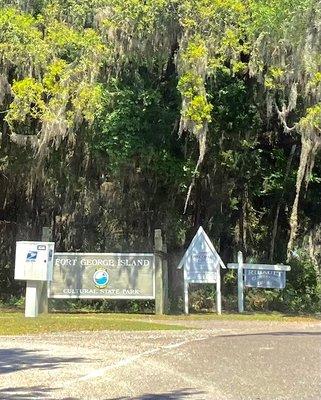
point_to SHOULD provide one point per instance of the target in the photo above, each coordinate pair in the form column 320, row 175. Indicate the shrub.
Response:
column 303, row 290
column 202, row 297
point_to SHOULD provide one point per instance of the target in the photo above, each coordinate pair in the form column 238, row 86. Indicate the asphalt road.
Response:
column 223, row 360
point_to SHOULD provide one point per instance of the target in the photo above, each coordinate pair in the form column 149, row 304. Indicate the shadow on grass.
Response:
column 16, row 359
column 173, row 395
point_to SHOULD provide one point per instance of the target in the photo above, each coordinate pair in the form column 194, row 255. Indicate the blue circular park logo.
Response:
column 101, row 278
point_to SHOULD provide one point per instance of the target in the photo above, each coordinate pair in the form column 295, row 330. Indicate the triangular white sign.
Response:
column 201, row 261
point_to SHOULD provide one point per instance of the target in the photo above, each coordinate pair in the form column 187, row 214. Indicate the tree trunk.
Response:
column 276, row 219
column 305, row 151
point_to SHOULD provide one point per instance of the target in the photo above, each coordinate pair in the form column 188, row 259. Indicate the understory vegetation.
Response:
column 120, row 117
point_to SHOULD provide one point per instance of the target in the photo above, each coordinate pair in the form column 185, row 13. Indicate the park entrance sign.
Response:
column 90, row 275
column 103, row 276
column 201, row 264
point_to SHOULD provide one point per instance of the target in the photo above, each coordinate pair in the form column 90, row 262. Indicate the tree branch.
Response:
column 282, row 117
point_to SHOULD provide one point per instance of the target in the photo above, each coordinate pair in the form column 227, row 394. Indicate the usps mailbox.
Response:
column 34, row 261
column 34, row 264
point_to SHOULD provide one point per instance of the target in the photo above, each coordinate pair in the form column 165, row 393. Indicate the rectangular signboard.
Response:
column 201, row 265
column 268, row 279
column 103, row 275
column 205, row 277
column 271, row 267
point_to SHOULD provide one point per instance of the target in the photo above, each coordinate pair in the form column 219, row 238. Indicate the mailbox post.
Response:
column 34, row 264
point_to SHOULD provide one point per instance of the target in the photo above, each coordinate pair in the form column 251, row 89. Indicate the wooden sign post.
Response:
column 161, row 284
column 201, row 264
column 263, row 276
column 240, row 286
column 43, row 300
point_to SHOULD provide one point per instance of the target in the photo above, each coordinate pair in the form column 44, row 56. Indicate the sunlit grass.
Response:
column 246, row 316
column 15, row 323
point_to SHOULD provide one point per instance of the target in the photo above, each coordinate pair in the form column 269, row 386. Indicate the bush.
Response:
column 261, row 299
column 229, row 302
column 104, row 305
column 202, row 297
column 302, row 292
column 13, row 302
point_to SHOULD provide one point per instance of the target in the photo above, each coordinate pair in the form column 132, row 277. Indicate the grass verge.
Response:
column 246, row 316
column 15, row 323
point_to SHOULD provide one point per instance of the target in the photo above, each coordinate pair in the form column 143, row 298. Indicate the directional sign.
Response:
column 258, row 276
column 264, row 278
column 270, row 267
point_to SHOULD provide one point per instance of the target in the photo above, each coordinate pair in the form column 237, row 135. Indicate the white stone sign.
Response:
column 202, row 264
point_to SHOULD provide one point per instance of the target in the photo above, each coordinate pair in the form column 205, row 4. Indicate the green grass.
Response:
column 15, row 323
column 247, row 316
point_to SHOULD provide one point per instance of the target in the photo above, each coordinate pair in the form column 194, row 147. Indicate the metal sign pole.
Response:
column 240, row 282
column 159, row 290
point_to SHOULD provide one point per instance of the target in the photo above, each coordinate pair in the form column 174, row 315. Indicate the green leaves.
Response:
column 54, row 69
column 198, row 111
column 311, row 122
column 28, row 100
column 21, row 44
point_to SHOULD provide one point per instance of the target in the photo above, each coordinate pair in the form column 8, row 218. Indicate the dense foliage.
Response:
column 119, row 117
